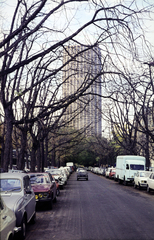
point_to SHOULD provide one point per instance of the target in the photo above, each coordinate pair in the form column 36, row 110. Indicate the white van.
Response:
column 127, row 166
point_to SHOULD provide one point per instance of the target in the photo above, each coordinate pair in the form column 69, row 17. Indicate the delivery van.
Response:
column 127, row 166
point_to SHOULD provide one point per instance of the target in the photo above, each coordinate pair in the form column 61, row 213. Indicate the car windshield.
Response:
column 142, row 174
column 136, row 167
column 39, row 180
column 10, row 185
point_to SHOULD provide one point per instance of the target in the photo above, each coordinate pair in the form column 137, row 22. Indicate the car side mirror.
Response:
column 28, row 192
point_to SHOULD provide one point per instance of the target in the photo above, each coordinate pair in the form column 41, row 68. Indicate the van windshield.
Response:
column 136, row 167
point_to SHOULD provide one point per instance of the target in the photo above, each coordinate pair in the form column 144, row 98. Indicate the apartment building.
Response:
column 81, row 68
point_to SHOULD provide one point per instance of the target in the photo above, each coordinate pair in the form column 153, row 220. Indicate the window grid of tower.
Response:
column 74, row 76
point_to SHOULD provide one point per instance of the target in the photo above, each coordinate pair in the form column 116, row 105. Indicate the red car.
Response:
column 112, row 173
column 44, row 187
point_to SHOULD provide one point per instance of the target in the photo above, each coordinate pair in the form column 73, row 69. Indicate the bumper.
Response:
column 82, row 176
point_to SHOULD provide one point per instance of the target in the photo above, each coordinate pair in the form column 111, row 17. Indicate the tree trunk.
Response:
column 42, row 156
column 8, row 139
column 33, row 155
column 39, row 157
column 21, row 164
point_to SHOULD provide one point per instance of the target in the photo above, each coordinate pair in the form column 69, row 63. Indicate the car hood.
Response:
column 41, row 187
column 11, row 200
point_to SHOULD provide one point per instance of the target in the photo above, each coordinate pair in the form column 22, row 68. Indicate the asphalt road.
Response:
column 98, row 209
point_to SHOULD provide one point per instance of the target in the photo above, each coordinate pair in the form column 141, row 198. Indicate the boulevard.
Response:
column 98, row 209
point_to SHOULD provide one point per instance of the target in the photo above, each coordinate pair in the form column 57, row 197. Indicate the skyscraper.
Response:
column 80, row 71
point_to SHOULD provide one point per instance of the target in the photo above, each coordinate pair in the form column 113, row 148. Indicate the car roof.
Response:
column 12, row 175
column 37, row 173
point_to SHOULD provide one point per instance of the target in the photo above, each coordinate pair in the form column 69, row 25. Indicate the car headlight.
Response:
column 42, row 195
column 142, row 181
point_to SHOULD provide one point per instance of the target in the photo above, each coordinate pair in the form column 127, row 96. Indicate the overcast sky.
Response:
column 7, row 8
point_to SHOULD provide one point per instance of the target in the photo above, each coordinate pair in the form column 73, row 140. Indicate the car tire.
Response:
column 58, row 192
column 55, row 199
column 135, row 186
column 77, row 179
column 119, row 181
column 148, row 189
column 125, row 182
column 51, row 204
column 87, row 179
column 22, row 233
column 10, row 237
column 139, row 187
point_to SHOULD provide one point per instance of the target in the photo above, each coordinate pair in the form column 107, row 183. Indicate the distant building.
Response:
column 86, row 111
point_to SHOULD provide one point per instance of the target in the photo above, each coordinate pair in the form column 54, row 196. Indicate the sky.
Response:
column 7, row 7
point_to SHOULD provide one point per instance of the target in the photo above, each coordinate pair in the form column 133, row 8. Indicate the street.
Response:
column 98, row 209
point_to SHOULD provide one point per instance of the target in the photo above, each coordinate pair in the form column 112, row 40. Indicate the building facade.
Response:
column 81, row 72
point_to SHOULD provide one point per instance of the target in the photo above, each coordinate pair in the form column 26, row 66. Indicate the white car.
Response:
column 63, row 173
column 150, row 182
column 7, row 222
column 18, row 195
column 140, row 179
column 58, row 175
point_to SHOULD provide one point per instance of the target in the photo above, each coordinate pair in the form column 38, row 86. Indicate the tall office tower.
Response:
column 81, row 68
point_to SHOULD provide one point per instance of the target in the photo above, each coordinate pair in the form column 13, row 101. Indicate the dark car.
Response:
column 82, row 174
column 44, row 187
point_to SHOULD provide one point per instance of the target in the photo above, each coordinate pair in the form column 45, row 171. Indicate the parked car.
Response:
column 44, row 187
column 19, row 197
column 57, row 186
column 58, row 175
column 63, row 172
column 112, row 173
column 107, row 172
column 150, row 182
column 82, row 174
column 140, row 179
column 7, row 222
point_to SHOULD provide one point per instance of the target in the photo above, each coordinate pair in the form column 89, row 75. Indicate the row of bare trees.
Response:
column 32, row 50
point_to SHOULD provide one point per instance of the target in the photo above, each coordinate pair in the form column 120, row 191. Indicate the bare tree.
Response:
column 32, row 55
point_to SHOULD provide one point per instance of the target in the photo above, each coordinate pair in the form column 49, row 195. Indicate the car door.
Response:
column 7, row 220
column 29, row 198
column 152, row 181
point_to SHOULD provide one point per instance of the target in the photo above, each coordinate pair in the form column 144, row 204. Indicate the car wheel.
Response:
column 148, row 189
column 125, row 182
column 55, row 199
column 139, row 187
column 77, row 179
column 50, row 203
column 119, row 181
column 10, row 237
column 87, row 179
column 135, row 186
column 22, row 233
column 58, row 192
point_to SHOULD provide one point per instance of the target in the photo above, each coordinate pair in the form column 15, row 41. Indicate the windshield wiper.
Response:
column 13, row 189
